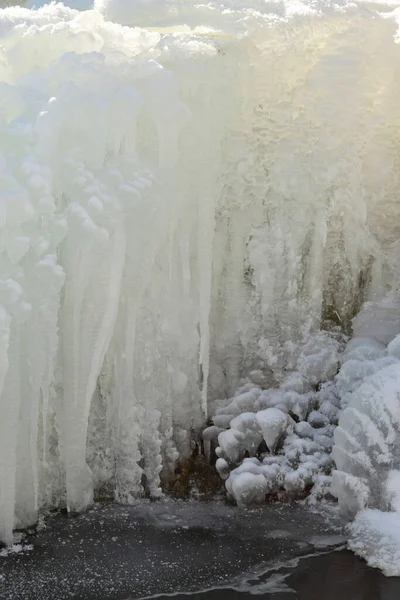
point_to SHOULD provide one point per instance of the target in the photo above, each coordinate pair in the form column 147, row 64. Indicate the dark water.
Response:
column 277, row 552
column 337, row 575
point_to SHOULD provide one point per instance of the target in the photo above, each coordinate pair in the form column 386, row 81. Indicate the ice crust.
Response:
column 183, row 206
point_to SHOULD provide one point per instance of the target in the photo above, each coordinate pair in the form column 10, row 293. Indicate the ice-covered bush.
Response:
column 278, row 440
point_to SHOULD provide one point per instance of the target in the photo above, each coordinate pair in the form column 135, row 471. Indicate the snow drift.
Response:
column 181, row 205
column 367, row 440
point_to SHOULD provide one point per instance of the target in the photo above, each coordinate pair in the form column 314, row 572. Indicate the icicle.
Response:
column 93, row 260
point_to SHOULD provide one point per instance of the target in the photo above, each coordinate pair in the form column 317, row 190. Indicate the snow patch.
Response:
column 15, row 549
column 375, row 536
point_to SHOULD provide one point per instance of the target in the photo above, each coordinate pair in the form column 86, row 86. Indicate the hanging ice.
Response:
column 181, row 206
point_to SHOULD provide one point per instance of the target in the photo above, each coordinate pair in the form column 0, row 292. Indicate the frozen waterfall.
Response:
column 181, row 204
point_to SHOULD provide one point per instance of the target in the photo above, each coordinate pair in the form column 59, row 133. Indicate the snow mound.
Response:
column 298, row 422
column 284, row 443
column 367, row 441
column 375, row 536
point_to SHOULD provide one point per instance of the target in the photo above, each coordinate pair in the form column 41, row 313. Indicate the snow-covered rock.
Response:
column 296, row 455
column 319, row 360
column 304, row 430
column 274, row 424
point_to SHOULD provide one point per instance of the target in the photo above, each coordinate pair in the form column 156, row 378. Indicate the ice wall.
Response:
column 179, row 205
column 109, row 163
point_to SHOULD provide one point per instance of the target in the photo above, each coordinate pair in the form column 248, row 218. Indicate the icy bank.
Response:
column 367, row 440
column 180, row 207
column 376, row 538
column 278, row 441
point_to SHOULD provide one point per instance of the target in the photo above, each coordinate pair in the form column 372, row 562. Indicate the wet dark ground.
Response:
column 277, row 552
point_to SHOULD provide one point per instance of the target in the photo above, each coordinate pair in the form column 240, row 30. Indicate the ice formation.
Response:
column 367, row 440
column 183, row 206
column 273, row 441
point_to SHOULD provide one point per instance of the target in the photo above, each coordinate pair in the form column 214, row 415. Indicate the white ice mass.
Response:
column 195, row 202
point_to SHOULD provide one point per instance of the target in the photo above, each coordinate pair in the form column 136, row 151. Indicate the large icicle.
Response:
column 93, row 258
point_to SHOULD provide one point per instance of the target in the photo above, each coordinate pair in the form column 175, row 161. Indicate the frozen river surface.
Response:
column 181, row 548
column 167, row 547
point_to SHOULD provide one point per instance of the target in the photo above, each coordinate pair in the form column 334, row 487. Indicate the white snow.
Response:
column 367, row 440
column 393, row 490
column 15, row 549
column 273, row 424
column 375, row 536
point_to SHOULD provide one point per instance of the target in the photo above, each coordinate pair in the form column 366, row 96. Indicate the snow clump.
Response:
column 278, row 441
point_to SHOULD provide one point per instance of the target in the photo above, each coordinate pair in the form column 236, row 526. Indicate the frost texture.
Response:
column 367, row 441
column 181, row 208
column 279, row 440
column 375, row 536
column 105, row 287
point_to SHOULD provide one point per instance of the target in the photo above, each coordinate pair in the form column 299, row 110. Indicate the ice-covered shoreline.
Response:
column 356, row 413
column 163, row 547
